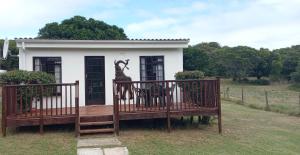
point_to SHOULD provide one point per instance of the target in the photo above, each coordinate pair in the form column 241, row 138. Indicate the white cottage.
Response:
column 92, row 62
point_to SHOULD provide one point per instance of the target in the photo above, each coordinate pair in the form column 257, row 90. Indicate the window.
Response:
column 51, row 65
column 151, row 68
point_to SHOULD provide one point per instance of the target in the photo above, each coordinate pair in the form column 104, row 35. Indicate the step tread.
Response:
column 97, row 130
column 96, row 123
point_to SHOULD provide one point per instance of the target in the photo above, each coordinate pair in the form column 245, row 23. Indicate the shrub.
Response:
column 296, row 76
column 189, row 75
column 260, row 82
column 26, row 77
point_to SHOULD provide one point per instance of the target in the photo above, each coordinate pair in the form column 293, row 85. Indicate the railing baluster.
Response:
column 204, row 98
column 129, row 95
column 66, row 100
column 30, row 100
column 51, row 95
column 41, row 112
column 56, row 108
column 21, row 101
column 61, row 100
column 36, row 104
column 134, row 95
column 15, row 100
column 26, row 93
column 46, row 97
column 71, row 107
column 176, row 95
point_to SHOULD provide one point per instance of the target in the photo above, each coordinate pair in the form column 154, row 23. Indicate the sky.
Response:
column 257, row 23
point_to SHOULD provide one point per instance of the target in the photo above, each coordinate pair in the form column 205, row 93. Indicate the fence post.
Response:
column 267, row 101
column 4, row 111
column 227, row 91
column 243, row 95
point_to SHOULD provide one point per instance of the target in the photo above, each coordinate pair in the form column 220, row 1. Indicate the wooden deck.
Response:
column 29, row 105
column 96, row 110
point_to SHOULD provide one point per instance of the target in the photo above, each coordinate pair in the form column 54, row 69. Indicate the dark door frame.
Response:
column 85, row 81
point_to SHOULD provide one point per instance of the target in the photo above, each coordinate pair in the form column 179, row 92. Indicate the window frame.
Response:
column 163, row 66
column 47, row 57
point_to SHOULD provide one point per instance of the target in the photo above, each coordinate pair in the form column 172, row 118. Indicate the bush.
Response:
column 260, row 82
column 189, row 75
column 296, row 76
column 26, row 77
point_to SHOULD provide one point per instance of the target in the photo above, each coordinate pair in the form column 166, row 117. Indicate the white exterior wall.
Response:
column 73, row 64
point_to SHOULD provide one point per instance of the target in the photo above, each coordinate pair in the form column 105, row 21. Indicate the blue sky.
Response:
column 257, row 23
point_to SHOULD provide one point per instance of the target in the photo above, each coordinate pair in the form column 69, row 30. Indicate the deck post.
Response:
column 116, row 115
column 168, row 106
column 41, row 112
column 4, row 111
column 219, row 106
column 77, row 119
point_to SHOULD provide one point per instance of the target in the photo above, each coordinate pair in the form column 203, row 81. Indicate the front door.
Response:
column 94, row 80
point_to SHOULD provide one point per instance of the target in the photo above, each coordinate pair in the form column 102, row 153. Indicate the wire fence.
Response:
column 287, row 102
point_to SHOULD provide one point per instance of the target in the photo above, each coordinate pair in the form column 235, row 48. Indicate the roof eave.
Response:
column 33, row 43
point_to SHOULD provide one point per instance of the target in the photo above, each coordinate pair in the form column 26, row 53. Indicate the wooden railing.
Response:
column 173, row 95
column 31, row 101
column 170, row 97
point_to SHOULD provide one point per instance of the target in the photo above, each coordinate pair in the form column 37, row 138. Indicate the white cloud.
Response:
column 194, row 7
column 260, row 23
column 257, row 23
column 152, row 24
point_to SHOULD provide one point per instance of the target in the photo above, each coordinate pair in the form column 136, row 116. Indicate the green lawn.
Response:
column 281, row 98
column 246, row 131
column 56, row 141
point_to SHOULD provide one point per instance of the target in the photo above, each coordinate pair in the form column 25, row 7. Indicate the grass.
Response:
column 58, row 140
column 281, row 98
column 245, row 131
column 294, row 87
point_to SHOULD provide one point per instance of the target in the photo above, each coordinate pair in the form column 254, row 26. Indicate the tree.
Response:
column 276, row 67
column 296, row 75
column 290, row 58
column 235, row 61
column 80, row 28
column 195, row 59
column 261, row 63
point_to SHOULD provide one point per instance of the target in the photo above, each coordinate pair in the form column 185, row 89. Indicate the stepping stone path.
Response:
column 100, row 146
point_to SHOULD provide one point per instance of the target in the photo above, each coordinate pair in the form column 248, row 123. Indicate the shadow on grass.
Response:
column 161, row 124
column 47, row 129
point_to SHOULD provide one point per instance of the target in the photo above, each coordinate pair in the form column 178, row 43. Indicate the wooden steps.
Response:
column 87, row 131
column 96, row 124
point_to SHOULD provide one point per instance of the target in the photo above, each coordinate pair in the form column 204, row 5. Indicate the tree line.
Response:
column 241, row 62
